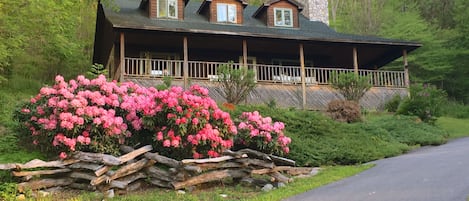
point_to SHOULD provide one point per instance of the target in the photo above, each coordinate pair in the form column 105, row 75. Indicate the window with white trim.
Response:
column 167, row 8
column 283, row 17
column 226, row 12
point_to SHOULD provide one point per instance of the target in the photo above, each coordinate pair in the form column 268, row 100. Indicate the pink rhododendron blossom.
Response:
column 196, row 155
column 254, row 130
column 63, row 155
column 166, row 143
column 195, row 121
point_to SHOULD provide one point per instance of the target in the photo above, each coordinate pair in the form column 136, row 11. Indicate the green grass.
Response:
column 455, row 127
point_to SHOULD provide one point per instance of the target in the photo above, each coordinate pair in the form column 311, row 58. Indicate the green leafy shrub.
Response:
column 344, row 111
column 351, row 86
column 425, row 101
column 236, row 83
column 393, row 104
column 95, row 70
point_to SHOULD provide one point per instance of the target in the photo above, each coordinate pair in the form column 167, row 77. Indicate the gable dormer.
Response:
column 279, row 13
column 164, row 9
column 223, row 11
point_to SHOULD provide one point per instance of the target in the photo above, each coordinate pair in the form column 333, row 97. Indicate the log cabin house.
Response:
column 288, row 44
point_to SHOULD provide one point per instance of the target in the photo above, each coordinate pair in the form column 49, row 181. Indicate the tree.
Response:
column 39, row 39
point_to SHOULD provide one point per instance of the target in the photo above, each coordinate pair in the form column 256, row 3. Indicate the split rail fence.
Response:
column 140, row 167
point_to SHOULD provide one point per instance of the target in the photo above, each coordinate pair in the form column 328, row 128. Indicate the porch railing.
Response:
column 203, row 70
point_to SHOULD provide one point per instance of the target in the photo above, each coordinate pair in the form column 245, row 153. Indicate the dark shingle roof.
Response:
column 131, row 17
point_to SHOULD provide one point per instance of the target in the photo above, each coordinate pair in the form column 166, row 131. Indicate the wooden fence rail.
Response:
column 207, row 70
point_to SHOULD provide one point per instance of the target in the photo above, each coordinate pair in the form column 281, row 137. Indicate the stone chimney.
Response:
column 316, row 10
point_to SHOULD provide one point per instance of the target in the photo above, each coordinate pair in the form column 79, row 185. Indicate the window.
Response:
column 167, row 8
column 283, row 17
column 226, row 13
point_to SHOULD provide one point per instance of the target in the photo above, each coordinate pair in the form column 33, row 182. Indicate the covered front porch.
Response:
column 155, row 54
column 292, row 72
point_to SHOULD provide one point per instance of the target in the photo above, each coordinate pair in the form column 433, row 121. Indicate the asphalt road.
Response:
column 438, row 173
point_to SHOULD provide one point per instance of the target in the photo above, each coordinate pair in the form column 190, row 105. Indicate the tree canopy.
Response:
column 440, row 25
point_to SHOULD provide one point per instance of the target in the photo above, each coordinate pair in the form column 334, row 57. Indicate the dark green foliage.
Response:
column 393, row 104
column 344, row 111
column 40, row 39
column 236, row 83
column 455, row 110
column 425, row 101
column 96, row 70
column 440, row 25
column 318, row 140
column 351, row 86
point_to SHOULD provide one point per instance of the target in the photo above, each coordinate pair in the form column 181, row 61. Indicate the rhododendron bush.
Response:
column 181, row 123
column 97, row 115
column 260, row 133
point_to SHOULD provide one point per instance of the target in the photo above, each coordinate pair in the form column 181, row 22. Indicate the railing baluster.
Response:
column 264, row 72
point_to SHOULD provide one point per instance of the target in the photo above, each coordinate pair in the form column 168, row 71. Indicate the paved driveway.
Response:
column 438, row 173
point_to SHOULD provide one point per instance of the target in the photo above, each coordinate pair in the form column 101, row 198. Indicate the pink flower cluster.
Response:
column 261, row 133
column 68, row 112
column 97, row 115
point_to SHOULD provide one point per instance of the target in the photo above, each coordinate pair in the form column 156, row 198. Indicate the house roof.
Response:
column 131, row 17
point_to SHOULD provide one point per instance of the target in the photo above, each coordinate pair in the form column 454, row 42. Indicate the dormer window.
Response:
column 226, row 13
column 167, row 9
column 283, row 17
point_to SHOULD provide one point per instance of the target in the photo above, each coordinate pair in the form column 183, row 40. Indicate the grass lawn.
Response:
column 456, row 128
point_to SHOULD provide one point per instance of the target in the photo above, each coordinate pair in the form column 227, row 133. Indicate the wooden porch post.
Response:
column 245, row 53
column 122, row 55
column 186, row 64
column 406, row 68
column 355, row 61
column 303, row 81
